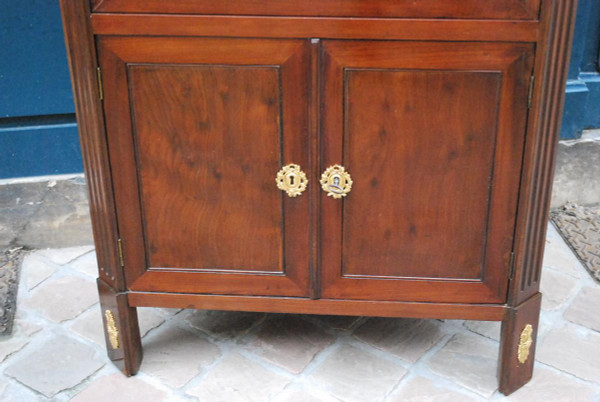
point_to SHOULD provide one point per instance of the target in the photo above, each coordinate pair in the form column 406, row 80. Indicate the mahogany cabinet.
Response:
column 385, row 158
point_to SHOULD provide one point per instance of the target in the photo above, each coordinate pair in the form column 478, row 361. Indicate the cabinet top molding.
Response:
column 308, row 27
column 460, row 9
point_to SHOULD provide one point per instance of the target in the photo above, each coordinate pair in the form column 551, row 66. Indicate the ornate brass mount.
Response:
column 336, row 182
column 292, row 180
column 525, row 343
column 111, row 329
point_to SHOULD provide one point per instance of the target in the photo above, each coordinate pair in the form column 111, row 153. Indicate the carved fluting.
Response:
column 82, row 63
column 541, row 145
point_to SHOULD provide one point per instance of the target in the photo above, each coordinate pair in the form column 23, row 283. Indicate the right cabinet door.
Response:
column 432, row 135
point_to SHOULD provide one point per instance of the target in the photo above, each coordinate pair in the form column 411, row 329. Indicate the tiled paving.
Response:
column 56, row 352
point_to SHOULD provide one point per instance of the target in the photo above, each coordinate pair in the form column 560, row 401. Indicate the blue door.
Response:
column 38, row 133
column 582, row 103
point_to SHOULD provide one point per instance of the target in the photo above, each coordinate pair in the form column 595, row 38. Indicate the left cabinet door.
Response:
column 198, row 129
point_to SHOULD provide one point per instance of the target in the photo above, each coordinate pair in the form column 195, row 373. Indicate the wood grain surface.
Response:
column 502, row 9
column 198, row 130
column 433, row 134
column 316, row 27
column 206, row 167
column 295, row 305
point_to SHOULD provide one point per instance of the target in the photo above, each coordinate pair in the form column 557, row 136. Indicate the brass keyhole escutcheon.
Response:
column 292, row 180
column 336, row 182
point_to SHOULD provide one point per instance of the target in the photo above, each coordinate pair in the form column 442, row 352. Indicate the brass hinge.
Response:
column 100, row 86
column 121, row 258
column 530, row 96
column 511, row 272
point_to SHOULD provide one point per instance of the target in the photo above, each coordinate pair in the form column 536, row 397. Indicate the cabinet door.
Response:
column 197, row 130
column 432, row 135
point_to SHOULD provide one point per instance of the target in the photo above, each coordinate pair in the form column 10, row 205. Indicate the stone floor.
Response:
column 57, row 350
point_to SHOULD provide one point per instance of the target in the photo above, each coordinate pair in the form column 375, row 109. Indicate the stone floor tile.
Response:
column 236, row 379
column 8, row 346
column 19, row 338
column 15, row 392
column 573, row 350
column 354, row 375
column 223, row 324
column 58, row 364
column 64, row 298
column 35, row 269
column 558, row 256
column 289, row 342
column 550, row 386
column 170, row 311
column 407, row 338
column 89, row 324
column 24, row 327
column 557, row 289
column 421, row 389
column 117, row 387
column 175, row 356
column 62, row 256
column 86, row 264
column 302, row 394
column 547, row 322
column 469, row 360
column 339, row 322
column 489, row 329
column 585, row 309
column 149, row 319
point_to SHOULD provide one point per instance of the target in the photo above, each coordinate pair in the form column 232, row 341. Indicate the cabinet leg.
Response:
column 517, row 345
column 121, row 330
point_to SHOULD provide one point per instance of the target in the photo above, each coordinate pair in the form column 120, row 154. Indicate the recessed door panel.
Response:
column 421, row 171
column 208, row 144
column 198, row 130
column 432, row 135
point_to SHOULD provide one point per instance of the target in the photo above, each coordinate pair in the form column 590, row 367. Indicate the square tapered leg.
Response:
column 121, row 330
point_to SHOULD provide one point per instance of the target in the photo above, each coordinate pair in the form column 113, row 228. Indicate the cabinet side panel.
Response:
column 554, row 48
column 82, row 63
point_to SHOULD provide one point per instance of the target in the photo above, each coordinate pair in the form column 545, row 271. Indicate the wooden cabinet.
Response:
column 323, row 158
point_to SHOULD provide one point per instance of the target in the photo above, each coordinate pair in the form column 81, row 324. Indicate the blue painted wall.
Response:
column 582, row 102
column 38, row 133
